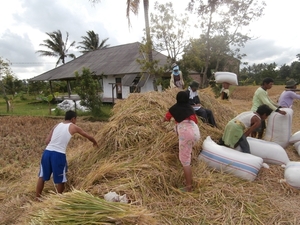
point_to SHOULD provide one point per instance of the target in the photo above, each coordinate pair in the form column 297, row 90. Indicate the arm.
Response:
column 172, row 85
column 181, row 78
column 255, row 123
column 49, row 136
column 167, row 117
column 75, row 129
column 264, row 99
column 294, row 95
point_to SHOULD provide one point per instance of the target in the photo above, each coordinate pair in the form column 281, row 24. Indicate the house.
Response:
column 122, row 73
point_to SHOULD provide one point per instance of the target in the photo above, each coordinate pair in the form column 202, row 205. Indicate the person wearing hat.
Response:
column 176, row 77
column 261, row 97
column 287, row 97
column 206, row 115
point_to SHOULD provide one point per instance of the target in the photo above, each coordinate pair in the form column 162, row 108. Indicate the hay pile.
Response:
column 138, row 156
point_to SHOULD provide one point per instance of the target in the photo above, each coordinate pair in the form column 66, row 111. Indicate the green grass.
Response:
column 30, row 106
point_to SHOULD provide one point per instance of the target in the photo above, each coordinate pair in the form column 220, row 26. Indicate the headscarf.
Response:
column 182, row 109
column 176, row 70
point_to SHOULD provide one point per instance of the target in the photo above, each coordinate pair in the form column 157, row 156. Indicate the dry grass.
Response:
column 137, row 156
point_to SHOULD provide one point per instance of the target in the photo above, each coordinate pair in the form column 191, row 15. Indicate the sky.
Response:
column 24, row 23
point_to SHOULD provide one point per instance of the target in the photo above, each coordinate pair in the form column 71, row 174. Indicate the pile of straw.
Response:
column 138, row 156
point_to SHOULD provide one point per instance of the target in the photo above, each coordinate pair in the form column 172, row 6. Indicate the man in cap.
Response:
column 287, row 97
column 206, row 115
column 176, row 77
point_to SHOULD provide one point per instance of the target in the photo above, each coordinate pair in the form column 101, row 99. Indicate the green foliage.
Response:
column 57, row 47
column 222, row 24
column 88, row 88
column 59, row 112
column 38, row 87
column 150, row 66
column 91, row 42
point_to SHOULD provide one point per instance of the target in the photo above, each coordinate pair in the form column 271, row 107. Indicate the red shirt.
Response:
column 191, row 117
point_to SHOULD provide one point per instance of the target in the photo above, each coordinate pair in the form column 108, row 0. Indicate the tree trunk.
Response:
column 207, row 59
column 148, row 37
column 5, row 96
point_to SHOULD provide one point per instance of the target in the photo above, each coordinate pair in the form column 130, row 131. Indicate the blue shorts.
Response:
column 53, row 163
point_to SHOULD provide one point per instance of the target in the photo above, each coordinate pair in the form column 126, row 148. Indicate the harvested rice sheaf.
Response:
column 79, row 207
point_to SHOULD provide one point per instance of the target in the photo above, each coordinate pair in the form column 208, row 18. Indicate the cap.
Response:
column 194, row 84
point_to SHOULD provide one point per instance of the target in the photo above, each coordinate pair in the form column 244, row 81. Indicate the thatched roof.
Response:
column 116, row 60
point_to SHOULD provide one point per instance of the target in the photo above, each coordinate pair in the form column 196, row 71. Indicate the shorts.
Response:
column 53, row 163
column 188, row 134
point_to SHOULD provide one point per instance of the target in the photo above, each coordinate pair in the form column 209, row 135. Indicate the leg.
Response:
column 202, row 114
column 189, row 134
column 221, row 142
column 39, row 187
column 244, row 144
column 60, row 188
column 262, row 129
column 254, row 134
column 59, row 171
column 210, row 118
column 188, row 178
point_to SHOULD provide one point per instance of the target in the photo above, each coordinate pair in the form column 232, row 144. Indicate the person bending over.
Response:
column 237, row 129
column 54, row 156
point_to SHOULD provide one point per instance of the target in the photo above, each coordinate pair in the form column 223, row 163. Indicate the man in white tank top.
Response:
column 54, row 156
column 237, row 129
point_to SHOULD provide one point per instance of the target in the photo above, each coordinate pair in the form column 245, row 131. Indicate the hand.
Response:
column 282, row 112
column 95, row 144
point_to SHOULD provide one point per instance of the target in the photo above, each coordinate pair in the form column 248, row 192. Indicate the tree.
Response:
column 88, row 89
column 295, row 70
column 285, row 71
column 91, row 42
column 57, row 47
column 133, row 7
column 225, row 19
column 5, row 70
column 168, row 31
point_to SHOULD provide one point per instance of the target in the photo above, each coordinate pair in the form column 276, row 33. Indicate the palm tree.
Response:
column 91, row 42
column 57, row 47
column 133, row 6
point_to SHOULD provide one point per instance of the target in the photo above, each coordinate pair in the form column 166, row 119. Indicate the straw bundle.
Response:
column 79, row 207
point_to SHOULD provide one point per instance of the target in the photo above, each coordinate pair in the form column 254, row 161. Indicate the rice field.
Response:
column 138, row 156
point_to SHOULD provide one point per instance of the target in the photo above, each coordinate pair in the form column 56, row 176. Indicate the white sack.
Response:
column 295, row 138
column 225, row 159
column 114, row 197
column 297, row 147
column 228, row 77
column 270, row 152
column 292, row 174
column 279, row 127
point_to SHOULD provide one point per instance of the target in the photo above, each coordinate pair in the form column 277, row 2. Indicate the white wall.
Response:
column 107, row 87
column 148, row 85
